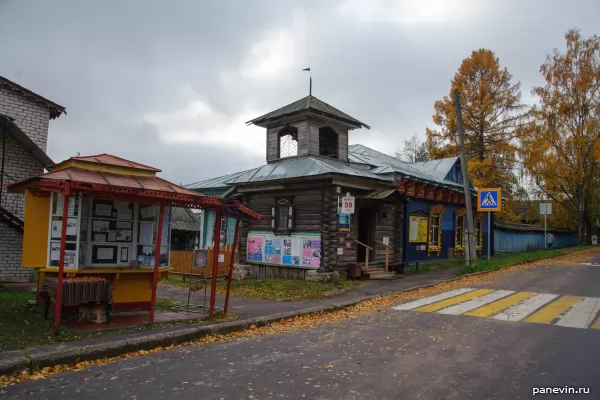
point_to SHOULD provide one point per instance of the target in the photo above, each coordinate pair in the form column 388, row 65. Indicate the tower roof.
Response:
column 308, row 104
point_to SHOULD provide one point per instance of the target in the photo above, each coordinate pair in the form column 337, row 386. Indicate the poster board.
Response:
column 302, row 250
column 417, row 229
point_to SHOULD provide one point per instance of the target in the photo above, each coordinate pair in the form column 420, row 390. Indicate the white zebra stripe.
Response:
column 476, row 302
column 581, row 314
column 433, row 299
column 524, row 308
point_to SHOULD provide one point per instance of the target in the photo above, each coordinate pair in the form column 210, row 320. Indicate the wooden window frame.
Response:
column 329, row 130
column 283, row 204
column 287, row 130
column 434, row 211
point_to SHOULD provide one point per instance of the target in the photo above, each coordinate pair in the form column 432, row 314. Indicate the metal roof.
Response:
column 219, row 182
column 109, row 159
column 7, row 125
column 183, row 219
column 55, row 109
column 303, row 166
column 113, row 180
column 380, row 194
column 439, row 168
column 385, row 164
column 308, row 104
column 364, row 162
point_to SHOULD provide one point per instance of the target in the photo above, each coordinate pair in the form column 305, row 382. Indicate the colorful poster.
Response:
column 344, row 222
column 255, row 248
column 285, row 250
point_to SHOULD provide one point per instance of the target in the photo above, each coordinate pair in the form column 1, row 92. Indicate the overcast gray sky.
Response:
column 170, row 84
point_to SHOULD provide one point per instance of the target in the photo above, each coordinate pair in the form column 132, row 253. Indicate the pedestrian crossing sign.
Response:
column 489, row 199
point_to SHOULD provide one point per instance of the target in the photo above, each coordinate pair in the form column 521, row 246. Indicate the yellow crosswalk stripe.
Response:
column 453, row 300
column 500, row 305
column 596, row 324
column 553, row 310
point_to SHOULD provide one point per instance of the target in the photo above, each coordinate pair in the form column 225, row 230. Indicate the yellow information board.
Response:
column 417, row 229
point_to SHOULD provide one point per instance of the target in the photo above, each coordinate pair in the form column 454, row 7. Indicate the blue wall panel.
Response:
column 518, row 242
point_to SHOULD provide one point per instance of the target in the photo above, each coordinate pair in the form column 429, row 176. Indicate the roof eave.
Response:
column 264, row 122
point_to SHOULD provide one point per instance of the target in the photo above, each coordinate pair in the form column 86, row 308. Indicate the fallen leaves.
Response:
column 297, row 323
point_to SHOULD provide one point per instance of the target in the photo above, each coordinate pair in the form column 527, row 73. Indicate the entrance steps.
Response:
column 377, row 272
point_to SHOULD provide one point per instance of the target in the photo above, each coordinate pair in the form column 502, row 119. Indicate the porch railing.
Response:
column 367, row 248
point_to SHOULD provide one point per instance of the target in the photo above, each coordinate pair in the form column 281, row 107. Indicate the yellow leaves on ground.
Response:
column 298, row 323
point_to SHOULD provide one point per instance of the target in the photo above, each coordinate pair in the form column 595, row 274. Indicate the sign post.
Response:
column 545, row 209
column 347, row 204
column 489, row 200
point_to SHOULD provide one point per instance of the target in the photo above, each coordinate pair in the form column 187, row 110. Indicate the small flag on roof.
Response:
column 306, row 69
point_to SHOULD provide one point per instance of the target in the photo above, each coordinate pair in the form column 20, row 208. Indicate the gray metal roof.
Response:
column 303, row 166
column 364, row 162
column 385, row 164
column 308, row 104
column 219, row 182
column 439, row 168
column 183, row 219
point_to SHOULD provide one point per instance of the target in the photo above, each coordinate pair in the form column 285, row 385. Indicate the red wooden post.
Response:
column 233, row 253
column 61, row 262
column 215, row 261
column 156, row 260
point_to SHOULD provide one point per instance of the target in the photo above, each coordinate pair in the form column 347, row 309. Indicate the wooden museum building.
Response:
column 403, row 212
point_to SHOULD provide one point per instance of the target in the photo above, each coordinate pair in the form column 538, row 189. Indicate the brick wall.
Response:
column 33, row 119
column 11, row 243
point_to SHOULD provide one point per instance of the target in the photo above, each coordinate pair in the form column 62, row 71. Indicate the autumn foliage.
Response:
column 492, row 113
column 561, row 146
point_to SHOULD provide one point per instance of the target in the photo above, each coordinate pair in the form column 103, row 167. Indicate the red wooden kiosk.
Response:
column 55, row 209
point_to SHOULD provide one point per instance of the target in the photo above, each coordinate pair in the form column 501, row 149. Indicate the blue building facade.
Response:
column 452, row 237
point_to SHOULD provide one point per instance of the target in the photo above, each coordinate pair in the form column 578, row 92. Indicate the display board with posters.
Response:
column 298, row 250
column 417, row 229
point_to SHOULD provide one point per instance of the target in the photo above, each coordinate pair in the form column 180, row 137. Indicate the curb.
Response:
column 69, row 352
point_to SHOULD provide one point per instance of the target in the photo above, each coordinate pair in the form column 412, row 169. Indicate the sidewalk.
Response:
column 249, row 308
column 258, row 312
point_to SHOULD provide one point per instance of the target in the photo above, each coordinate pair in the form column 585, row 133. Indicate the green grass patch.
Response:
column 164, row 303
column 22, row 324
column 508, row 260
column 277, row 289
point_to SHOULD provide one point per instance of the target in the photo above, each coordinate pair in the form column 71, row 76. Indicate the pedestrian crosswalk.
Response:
column 508, row 305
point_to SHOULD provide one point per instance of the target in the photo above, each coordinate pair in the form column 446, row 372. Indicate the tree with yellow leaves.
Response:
column 561, row 147
column 492, row 112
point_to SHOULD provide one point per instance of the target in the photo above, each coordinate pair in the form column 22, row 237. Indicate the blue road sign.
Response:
column 489, row 199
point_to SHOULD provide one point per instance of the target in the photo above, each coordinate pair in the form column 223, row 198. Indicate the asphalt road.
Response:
column 390, row 354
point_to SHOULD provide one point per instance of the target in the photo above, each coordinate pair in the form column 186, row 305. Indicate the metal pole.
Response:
column 156, row 261
column 233, row 252
column 471, row 254
column 215, row 263
column 61, row 262
column 489, row 249
column 545, row 229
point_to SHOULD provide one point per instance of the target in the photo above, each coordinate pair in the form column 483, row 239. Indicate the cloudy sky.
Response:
column 171, row 84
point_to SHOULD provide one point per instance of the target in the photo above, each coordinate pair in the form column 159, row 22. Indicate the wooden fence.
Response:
column 182, row 262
